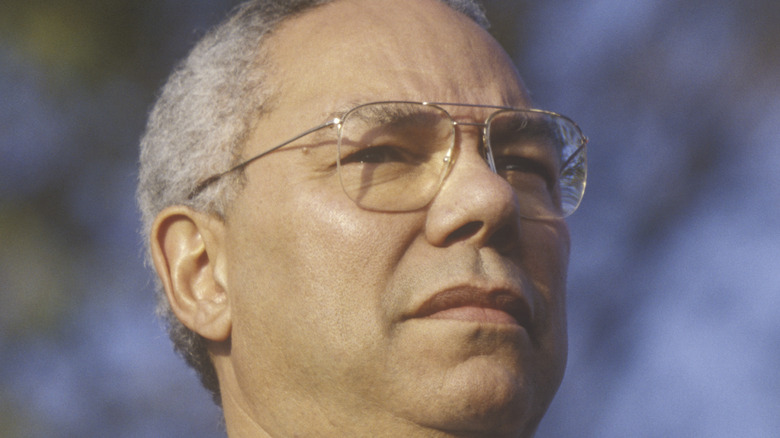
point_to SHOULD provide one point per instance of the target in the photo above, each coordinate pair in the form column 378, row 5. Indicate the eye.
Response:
column 517, row 167
column 376, row 155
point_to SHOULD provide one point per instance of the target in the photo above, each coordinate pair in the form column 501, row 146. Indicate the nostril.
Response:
column 504, row 240
column 464, row 232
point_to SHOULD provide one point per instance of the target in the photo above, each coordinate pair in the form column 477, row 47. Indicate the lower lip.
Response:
column 475, row 314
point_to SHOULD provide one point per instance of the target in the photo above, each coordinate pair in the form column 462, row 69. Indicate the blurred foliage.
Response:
column 76, row 79
column 33, row 266
column 75, row 40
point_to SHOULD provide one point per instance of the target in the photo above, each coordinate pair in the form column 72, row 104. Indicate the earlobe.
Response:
column 187, row 253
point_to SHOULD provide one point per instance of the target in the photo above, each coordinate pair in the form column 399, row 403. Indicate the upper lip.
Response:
column 505, row 299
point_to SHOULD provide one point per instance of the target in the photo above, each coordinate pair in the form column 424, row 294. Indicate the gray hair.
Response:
column 198, row 127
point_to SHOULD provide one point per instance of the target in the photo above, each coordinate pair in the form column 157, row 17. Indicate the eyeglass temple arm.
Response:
column 213, row 178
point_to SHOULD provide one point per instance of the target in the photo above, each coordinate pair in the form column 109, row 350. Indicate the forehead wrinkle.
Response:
column 324, row 68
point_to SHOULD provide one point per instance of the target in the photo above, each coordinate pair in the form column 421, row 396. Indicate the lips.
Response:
column 498, row 306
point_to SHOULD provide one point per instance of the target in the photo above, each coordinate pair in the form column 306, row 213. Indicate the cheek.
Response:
column 315, row 256
column 345, row 243
column 542, row 258
column 310, row 274
column 545, row 257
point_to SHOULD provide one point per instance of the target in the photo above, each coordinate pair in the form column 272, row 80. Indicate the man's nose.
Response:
column 474, row 204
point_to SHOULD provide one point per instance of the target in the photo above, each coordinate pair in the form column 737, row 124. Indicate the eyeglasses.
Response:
column 394, row 156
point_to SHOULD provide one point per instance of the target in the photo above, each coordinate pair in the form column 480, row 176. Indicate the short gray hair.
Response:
column 198, row 127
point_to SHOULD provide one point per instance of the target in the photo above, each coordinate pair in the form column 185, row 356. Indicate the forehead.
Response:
column 357, row 51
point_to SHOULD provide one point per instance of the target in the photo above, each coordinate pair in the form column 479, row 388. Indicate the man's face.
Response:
column 331, row 304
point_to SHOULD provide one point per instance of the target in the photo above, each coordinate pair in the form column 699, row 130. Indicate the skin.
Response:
column 312, row 305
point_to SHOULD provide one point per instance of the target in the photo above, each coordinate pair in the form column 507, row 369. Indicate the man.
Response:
column 340, row 257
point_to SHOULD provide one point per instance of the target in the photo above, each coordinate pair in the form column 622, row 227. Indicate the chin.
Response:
column 485, row 400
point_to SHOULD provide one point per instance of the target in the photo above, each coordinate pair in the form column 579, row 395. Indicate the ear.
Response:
column 187, row 253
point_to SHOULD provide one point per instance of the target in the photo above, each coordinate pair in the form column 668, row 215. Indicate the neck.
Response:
column 292, row 416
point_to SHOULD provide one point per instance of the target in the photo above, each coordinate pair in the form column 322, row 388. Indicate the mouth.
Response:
column 500, row 306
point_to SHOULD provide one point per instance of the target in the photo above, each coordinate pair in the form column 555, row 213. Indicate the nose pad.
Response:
column 487, row 153
column 483, row 146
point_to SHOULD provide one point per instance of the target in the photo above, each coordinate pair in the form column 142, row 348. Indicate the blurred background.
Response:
column 674, row 287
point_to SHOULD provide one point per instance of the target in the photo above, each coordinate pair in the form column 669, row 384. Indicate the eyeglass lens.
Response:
column 394, row 157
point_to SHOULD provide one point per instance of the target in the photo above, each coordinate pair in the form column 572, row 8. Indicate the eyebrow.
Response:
column 532, row 126
column 342, row 109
